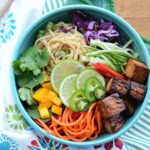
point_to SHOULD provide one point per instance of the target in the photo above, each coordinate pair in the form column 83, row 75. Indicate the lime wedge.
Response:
column 63, row 69
column 67, row 87
column 85, row 75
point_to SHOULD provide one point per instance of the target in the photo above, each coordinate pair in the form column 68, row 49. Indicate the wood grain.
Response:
column 137, row 13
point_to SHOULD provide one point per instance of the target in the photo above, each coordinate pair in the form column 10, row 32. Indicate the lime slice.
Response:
column 63, row 69
column 67, row 87
column 86, row 74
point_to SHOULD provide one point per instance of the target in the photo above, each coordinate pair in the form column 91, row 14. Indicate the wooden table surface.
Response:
column 137, row 13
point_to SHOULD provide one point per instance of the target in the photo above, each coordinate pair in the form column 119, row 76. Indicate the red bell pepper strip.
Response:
column 106, row 71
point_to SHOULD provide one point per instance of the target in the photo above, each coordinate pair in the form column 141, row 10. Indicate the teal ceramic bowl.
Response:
column 63, row 14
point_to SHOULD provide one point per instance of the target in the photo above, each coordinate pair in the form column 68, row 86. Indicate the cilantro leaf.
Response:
column 28, row 71
column 32, row 60
column 33, row 112
column 25, row 95
column 16, row 66
column 28, row 80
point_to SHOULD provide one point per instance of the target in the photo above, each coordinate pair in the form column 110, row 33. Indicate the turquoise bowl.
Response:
column 62, row 14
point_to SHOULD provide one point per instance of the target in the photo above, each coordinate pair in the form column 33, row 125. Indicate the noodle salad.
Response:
column 78, row 80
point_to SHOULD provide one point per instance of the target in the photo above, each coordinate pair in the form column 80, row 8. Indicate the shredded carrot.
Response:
column 75, row 126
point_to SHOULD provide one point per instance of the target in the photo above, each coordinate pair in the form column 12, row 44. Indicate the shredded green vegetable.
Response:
column 112, row 55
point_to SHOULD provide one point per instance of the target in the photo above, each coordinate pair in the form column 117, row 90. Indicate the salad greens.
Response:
column 33, row 112
column 28, row 70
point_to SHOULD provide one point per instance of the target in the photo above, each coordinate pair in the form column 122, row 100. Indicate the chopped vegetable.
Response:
column 57, row 101
column 110, row 46
column 41, row 95
column 91, row 84
column 99, row 92
column 82, row 105
column 65, row 30
column 110, row 54
column 47, row 85
column 104, row 31
column 106, row 71
column 46, row 104
column 40, row 33
column 56, row 110
column 76, row 96
column 44, row 113
column 33, row 112
column 49, row 25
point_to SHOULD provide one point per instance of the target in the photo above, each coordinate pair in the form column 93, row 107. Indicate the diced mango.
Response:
column 44, row 113
column 47, row 85
column 51, row 95
column 56, row 110
column 46, row 104
column 41, row 95
column 57, row 101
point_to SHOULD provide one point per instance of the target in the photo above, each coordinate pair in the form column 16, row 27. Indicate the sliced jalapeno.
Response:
column 82, row 104
column 91, row 84
column 77, row 95
column 99, row 92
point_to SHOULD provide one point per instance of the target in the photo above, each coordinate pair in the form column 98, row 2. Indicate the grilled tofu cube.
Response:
column 136, row 71
column 130, row 106
column 137, row 91
column 113, row 124
column 111, row 105
column 117, row 85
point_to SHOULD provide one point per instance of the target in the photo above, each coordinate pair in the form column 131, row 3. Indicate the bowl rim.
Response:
column 22, row 109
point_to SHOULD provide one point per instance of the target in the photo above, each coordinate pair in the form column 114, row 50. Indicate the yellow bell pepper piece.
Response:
column 56, row 109
column 51, row 95
column 57, row 101
column 44, row 113
column 43, row 94
column 47, row 85
column 46, row 104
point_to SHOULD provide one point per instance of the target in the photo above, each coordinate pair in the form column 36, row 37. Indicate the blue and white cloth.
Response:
column 15, row 133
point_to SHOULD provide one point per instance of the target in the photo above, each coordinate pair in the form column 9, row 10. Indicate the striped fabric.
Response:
column 138, row 137
column 53, row 4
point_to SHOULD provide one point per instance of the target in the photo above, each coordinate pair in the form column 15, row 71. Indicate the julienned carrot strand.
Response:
column 44, row 126
column 75, row 126
column 69, row 124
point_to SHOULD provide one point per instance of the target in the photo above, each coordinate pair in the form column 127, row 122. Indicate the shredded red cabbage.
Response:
column 104, row 31
column 65, row 30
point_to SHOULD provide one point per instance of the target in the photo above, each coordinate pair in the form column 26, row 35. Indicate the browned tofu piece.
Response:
column 117, row 85
column 113, row 124
column 137, row 91
column 130, row 106
column 111, row 105
column 136, row 71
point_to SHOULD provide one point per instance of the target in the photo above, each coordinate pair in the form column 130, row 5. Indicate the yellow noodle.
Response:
column 72, row 41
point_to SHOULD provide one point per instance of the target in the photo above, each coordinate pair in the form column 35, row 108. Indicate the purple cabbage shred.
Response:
column 103, row 30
